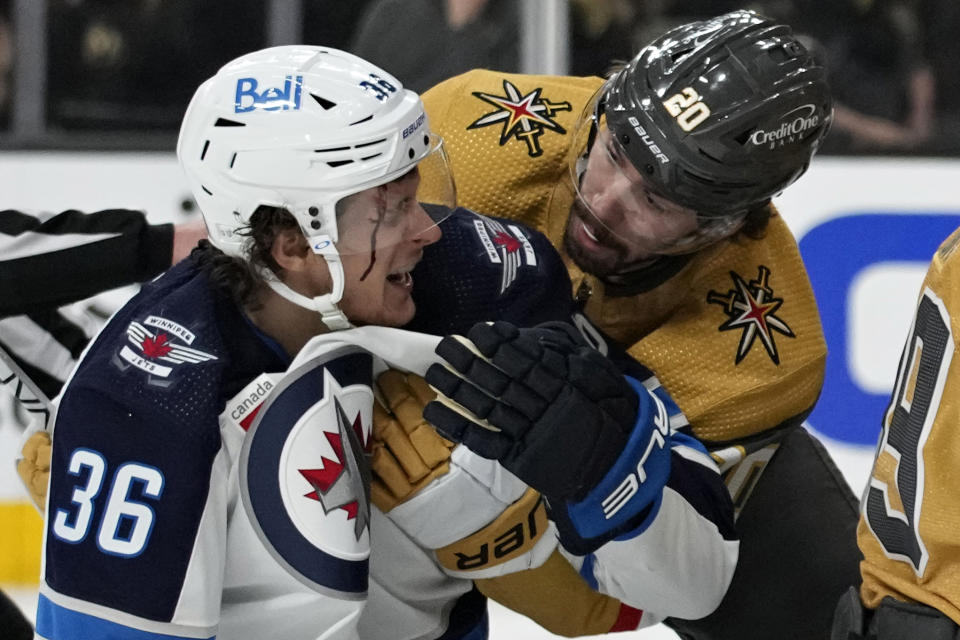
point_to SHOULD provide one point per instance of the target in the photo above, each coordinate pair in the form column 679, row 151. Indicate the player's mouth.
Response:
column 589, row 231
column 402, row 278
column 591, row 236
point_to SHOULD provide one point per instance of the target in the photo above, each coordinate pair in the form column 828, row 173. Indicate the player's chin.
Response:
column 390, row 307
column 398, row 309
column 404, row 315
column 595, row 260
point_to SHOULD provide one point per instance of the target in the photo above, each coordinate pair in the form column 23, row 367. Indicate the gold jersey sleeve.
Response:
column 910, row 512
column 735, row 337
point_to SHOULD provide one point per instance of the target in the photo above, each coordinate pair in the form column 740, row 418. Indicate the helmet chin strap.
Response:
column 326, row 304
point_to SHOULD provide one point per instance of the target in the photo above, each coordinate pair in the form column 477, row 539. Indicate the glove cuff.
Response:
column 500, row 547
column 627, row 499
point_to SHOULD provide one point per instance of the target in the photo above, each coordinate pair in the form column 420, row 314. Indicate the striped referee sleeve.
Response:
column 54, row 259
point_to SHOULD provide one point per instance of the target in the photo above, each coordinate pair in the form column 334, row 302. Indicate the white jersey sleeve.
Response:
column 681, row 560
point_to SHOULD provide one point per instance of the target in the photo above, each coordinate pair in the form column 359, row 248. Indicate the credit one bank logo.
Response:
column 836, row 252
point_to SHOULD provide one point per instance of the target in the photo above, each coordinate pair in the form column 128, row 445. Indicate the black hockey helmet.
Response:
column 717, row 116
column 736, row 105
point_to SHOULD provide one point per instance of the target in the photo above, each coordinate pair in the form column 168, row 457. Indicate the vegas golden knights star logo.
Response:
column 523, row 117
column 750, row 308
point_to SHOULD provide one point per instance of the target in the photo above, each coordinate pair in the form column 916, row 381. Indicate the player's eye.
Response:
column 397, row 212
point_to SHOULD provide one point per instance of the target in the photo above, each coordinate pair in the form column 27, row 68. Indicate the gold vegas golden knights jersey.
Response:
column 910, row 512
column 735, row 336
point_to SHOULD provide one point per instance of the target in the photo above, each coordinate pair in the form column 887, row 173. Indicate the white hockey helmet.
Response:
column 300, row 128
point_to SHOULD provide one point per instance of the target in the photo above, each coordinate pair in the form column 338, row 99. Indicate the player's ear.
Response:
column 290, row 250
column 300, row 268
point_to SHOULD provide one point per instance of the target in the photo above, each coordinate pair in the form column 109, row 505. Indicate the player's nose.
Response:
column 423, row 229
column 607, row 204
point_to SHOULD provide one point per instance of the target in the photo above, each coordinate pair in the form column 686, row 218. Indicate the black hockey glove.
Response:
column 550, row 408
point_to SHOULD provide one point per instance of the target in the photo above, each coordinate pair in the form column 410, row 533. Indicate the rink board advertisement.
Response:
column 866, row 227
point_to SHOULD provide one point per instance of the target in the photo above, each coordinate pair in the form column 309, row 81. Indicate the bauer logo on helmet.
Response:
column 647, row 140
column 409, row 131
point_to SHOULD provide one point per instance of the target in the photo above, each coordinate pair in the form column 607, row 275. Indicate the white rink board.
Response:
column 865, row 300
column 869, row 311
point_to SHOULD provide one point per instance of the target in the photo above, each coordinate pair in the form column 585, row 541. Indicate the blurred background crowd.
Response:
column 89, row 74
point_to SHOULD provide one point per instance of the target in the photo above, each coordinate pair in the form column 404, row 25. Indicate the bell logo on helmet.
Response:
column 313, row 125
column 647, row 140
column 793, row 123
column 270, row 99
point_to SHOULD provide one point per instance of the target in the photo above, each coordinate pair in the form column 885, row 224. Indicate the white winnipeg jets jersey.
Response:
column 202, row 486
column 171, row 513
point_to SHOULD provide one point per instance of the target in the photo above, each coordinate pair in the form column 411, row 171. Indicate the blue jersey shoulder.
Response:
column 488, row 268
column 135, row 438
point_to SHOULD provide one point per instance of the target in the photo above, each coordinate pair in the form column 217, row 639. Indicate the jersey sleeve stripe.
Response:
column 586, row 571
column 694, row 455
column 32, row 244
column 59, row 623
column 696, row 484
column 106, row 249
column 628, row 619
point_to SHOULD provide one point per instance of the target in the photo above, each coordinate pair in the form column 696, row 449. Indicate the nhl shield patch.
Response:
column 304, row 477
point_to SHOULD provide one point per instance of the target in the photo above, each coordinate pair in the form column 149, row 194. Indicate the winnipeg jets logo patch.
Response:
column 334, row 484
column 506, row 245
column 303, row 473
column 521, row 117
column 750, row 308
column 156, row 341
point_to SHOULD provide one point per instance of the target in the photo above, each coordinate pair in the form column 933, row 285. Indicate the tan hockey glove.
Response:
column 34, row 467
column 408, row 454
column 407, row 451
